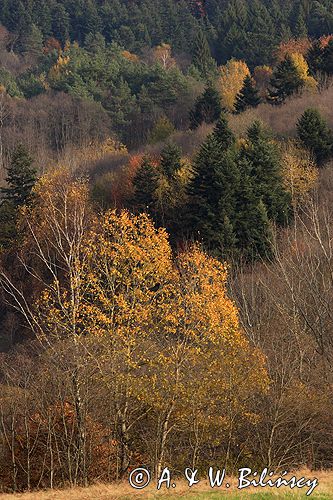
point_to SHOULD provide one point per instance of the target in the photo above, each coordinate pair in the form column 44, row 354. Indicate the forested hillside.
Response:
column 165, row 237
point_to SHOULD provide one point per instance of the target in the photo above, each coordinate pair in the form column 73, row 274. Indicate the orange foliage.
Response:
column 129, row 56
column 52, row 44
column 294, row 45
column 52, row 434
column 325, row 40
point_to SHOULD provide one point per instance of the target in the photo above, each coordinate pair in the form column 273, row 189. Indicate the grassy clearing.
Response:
column 201, row 491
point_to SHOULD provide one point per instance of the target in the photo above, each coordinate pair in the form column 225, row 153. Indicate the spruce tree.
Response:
column 21, row 177
column 314, row 58
column 253, row 230
column 316, row 135
column 264, row 163
column 202, row 58
column 301, row 30
column 145, row 183
column 223, row 133
column 248, row 97
column 212, row 196
column 32, row 42
column 207, row 108
column 285, row 81
column 327, row 58
column 170, row 160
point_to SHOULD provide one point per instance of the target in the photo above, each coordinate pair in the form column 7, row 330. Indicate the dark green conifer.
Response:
column 264, row 168
column 327, row 58
column 285, row 81
column 32, row 41
column 207, row 108
column 314, row 58
column 21, row 177
column 223, row 133
column 253, row 230
column 212, row 196
column 316, row 135
column 301, row 30
column 248, row 97
column 170, row 160
column 145, row 184
column 202, row 59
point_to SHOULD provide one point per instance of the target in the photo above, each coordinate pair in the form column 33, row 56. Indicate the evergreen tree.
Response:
column 223, row 133
column 32, row 42
column 316, row 135
column 60, row 23
column 264, row 163
column 202, row 59
column 207, row 107
column 95, row 43
column 8, row 217
column 248, row 97
column 314, row 58
column 285, row 81
column 327, row 58
column 21, row 177
column 212, row 196
column 170, row 160
column 253, row 230
column 301, row 30
column 145, row 184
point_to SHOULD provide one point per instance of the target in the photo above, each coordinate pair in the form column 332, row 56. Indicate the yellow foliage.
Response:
column 303, row 71
column 167, row 333
column 81, row 157
column 300, row 173
column 59, row 68
column 162, row 54
column 231, row 80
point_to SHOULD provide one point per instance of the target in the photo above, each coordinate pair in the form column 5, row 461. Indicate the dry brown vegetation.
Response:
column 123, row 490
column 282, row 119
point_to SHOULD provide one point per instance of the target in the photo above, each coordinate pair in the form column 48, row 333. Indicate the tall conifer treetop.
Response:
column 21, row 177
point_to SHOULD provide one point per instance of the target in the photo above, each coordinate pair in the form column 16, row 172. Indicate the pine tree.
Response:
column 315, row 134
column 21, row 177
column 248, row 97
column 285, row 81
column 170, row 160
column 202, row 59
column 145, row 184
column 207, row 108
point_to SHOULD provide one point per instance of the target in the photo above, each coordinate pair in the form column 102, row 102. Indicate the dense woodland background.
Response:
column 165, row 236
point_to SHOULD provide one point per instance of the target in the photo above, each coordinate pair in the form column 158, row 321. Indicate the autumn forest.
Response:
column 166, row 238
